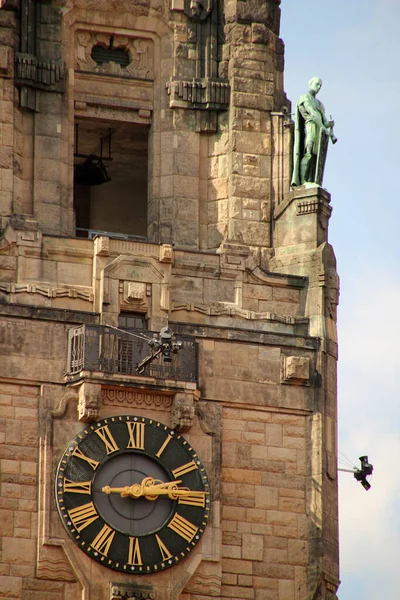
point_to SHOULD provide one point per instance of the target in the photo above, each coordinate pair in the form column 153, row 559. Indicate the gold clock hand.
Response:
column 136, row 490
column 117, row 490
column 151, row 489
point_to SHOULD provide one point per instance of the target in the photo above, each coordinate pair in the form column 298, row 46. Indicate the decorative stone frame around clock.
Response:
column 57, row 555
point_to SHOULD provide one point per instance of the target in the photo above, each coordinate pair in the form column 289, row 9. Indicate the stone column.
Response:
column 253, row 62
column 7, row 25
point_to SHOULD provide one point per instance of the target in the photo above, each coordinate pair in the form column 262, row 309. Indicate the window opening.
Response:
column 131, row 320
column 110, row 179
column 103, row 55
column 92, row 171
column 127, row 361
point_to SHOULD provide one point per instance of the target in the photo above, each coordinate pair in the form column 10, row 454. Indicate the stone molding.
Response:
column 64, row 292
column 131, row 591
column 136, row 398
column 233, row 310
column 314, row 206
column 207, row 584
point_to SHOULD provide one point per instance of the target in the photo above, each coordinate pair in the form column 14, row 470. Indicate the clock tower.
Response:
column 167, row 310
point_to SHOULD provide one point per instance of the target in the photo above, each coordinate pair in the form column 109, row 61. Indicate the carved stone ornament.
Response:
column 140, row 53
column 198, row 10
column 296, row 370
column 135, row 292
column 183, row 411
column 130, row 591
column 210, row 417
column 203, row 93
column 89, row 402
column 330, row 281
column 135, row 398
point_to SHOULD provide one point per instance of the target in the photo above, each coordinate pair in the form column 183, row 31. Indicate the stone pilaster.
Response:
column 301, row 248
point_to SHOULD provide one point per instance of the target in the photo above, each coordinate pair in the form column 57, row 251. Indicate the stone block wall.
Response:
column 265, row 540
column 238, row 261
column 19, row 454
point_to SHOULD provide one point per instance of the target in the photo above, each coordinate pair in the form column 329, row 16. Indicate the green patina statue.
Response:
column 312, row 133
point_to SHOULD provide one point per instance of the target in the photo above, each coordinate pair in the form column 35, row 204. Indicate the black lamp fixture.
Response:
column 362, row 474
column 92, row 171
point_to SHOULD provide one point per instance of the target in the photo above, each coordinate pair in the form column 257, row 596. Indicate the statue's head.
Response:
column 315, row 84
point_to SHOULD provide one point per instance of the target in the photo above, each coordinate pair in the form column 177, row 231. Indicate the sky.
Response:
column 354, row 46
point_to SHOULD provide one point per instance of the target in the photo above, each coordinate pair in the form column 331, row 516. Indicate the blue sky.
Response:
column 354, row 46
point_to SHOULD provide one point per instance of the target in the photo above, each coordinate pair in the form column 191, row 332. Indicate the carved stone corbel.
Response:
column 89, row 402
column 183, row 411
column 295, row 370
column 130, row 591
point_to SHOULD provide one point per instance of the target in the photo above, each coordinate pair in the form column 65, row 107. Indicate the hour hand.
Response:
column 123, row 491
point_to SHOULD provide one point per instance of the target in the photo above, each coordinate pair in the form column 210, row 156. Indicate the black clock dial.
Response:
column 132, row 494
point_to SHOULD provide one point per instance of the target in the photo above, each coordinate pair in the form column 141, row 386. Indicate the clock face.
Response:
column 132, row 494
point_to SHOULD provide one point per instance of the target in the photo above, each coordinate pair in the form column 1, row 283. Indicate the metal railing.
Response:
column 105, row 349
column 90, row 234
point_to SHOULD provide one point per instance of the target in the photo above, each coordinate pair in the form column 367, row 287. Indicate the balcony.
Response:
column 103, row 349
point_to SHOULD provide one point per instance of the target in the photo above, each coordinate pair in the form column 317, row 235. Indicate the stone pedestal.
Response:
column 302, row 219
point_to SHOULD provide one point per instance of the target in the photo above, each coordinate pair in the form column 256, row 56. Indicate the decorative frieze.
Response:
column 64, row 292
column 131, row 397
column 314, row 205
column 199, row 93
column 228, row 309
column 131, row 591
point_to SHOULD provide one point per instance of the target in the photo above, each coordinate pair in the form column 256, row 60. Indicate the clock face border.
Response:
column 141, row 439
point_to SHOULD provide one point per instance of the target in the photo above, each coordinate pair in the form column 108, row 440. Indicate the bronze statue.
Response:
column 312, row 131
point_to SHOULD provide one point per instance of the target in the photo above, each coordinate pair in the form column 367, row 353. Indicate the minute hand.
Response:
column 149, row 488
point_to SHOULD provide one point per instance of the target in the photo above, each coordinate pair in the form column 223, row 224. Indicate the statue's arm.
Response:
column 315, row 115
column 325, row 121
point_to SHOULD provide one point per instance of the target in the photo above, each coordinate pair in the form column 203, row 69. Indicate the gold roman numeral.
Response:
column 193, row 499
column 79, row 454
column 182, row 527
column 103, row 539
column 165, row 553
column 77, row 487
column 135, row 557
column 190, row 466
column 105, row 435
column 136, row 435
column 165, row 444
column 83, row 515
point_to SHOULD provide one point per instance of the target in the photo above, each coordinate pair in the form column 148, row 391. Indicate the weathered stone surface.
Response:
column 239, row 262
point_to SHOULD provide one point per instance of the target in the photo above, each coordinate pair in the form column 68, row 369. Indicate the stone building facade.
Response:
column 145, row 157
